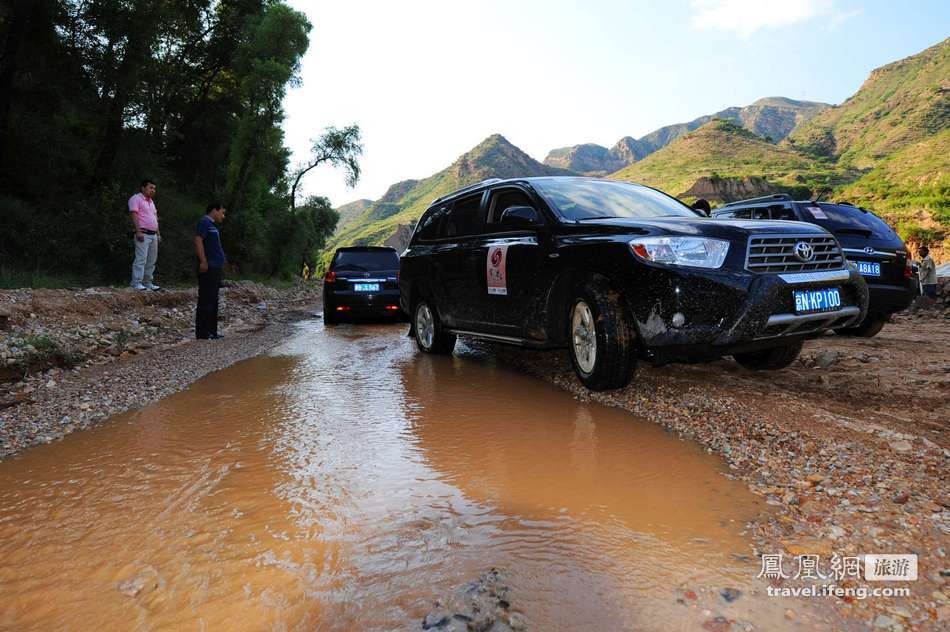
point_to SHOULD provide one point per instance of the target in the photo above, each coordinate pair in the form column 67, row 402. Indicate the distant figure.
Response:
column 144, row 218
column 210, row 264
column 306, row 271
column 702, row 206
column 927, row 273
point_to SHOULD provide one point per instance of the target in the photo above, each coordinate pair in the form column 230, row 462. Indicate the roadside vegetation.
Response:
column 96, row 95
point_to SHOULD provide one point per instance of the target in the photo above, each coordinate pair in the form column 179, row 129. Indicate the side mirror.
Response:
column 519, row 217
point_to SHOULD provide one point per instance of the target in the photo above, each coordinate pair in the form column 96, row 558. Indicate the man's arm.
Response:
column 134, row 217
column 200, row 251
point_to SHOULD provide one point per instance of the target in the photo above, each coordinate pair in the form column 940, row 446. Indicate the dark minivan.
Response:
column 616, row 271
column 361, row 281
column 867, row 241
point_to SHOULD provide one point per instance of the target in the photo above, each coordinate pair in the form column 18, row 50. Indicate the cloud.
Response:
column 745, row 17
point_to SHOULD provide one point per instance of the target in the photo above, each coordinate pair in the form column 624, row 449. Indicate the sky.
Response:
column 427, row 81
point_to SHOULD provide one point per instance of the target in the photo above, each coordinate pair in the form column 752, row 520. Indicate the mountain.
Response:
column 772, row 118
column 593, row 159
column 898, row 105
column 391, row 217
column 722, row 161
column 349, row 212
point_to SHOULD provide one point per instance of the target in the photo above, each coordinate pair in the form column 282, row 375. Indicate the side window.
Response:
column 743, row 214
column 464, row 219
column 725, row 215
column 501, row 200
column 782, row 213
column 429, row 224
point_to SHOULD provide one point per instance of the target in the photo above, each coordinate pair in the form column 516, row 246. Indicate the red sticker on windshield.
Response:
column 497, row 274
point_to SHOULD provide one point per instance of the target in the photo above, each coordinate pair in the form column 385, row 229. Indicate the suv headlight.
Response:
column 697, row 252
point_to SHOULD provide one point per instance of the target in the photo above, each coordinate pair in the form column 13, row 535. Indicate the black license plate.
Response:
column 812, row 301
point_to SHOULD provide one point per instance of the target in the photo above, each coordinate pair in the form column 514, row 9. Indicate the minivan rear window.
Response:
column 841, row 219
column 367, row 260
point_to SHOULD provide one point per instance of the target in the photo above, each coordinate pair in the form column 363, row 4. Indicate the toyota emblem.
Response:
column 869, row 250
column 804, row 251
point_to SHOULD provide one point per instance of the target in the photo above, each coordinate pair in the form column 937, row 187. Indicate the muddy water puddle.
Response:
column 346, row 482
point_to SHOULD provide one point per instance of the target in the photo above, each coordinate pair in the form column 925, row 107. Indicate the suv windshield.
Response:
column 578, row 199
column 368, row 260
column 843, row 219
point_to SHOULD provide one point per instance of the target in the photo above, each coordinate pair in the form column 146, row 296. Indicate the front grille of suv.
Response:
column 776, row 253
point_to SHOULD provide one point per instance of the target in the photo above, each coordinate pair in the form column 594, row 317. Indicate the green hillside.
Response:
column 898, row 105
column 349, row 212
column 772, row 118
column 402, row 205
column 910, row 188
column 722, row 149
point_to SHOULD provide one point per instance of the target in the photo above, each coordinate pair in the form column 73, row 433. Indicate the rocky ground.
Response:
column 70, row 358
column 850, row 446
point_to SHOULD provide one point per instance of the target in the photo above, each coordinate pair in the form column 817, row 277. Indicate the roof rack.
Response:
column 466, row 188
column 764, row 198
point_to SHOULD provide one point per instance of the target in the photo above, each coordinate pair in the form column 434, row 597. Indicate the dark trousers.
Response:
column 206, row 316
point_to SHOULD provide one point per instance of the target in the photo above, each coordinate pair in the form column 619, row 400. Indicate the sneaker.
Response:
column 216, row 336
column 139, row 286
column 151, row 286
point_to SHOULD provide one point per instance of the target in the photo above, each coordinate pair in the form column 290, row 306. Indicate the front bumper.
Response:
column 723, row 312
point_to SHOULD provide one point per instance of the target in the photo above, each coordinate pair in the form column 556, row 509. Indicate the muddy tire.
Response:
column 770, row 359
column 869, row 327
column 428, row 331
column 600, row 338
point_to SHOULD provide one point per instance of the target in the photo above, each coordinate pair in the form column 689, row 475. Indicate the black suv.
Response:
column 361, row 281
column 613, row 271
column 867, row 241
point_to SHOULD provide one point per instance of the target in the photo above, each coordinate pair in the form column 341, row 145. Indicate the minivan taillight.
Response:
column 330, row 277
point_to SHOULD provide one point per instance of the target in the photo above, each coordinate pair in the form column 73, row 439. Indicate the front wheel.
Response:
column 429, row 334
column 601, row 339
column 868, row 328
column 770, row 359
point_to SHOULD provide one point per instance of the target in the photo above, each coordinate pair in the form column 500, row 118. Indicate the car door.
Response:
column 457, row 264
column 512, row 261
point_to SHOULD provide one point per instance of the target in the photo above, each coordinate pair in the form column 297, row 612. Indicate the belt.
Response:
column 150, row 232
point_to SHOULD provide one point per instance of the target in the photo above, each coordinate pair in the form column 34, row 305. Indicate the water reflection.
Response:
column 346, row 482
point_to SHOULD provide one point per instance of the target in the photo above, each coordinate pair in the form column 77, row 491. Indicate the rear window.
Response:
column 841, row 219
column 429, row 224
column 367, row 260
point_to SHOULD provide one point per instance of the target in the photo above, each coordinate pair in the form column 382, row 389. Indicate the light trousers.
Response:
column 146, row 254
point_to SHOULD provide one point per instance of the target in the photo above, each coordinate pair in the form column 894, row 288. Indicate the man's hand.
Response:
column 203, row 266
column 139, row 236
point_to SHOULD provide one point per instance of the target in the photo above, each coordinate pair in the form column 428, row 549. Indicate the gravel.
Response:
column 126, row 349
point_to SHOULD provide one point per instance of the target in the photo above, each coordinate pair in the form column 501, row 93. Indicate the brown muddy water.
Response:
column 345, row 482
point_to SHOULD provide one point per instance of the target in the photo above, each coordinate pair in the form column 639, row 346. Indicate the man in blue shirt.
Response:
column 210, row 263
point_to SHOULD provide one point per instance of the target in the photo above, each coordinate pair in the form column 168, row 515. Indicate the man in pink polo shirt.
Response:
column 144, row 217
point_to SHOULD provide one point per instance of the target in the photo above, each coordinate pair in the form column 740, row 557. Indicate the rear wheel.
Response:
column 428, row 331
column 329, row 316
column 601, row 339
column 869, row 327
column 770, row 359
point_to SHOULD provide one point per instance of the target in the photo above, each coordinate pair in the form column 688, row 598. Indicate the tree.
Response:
column 341, row 148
